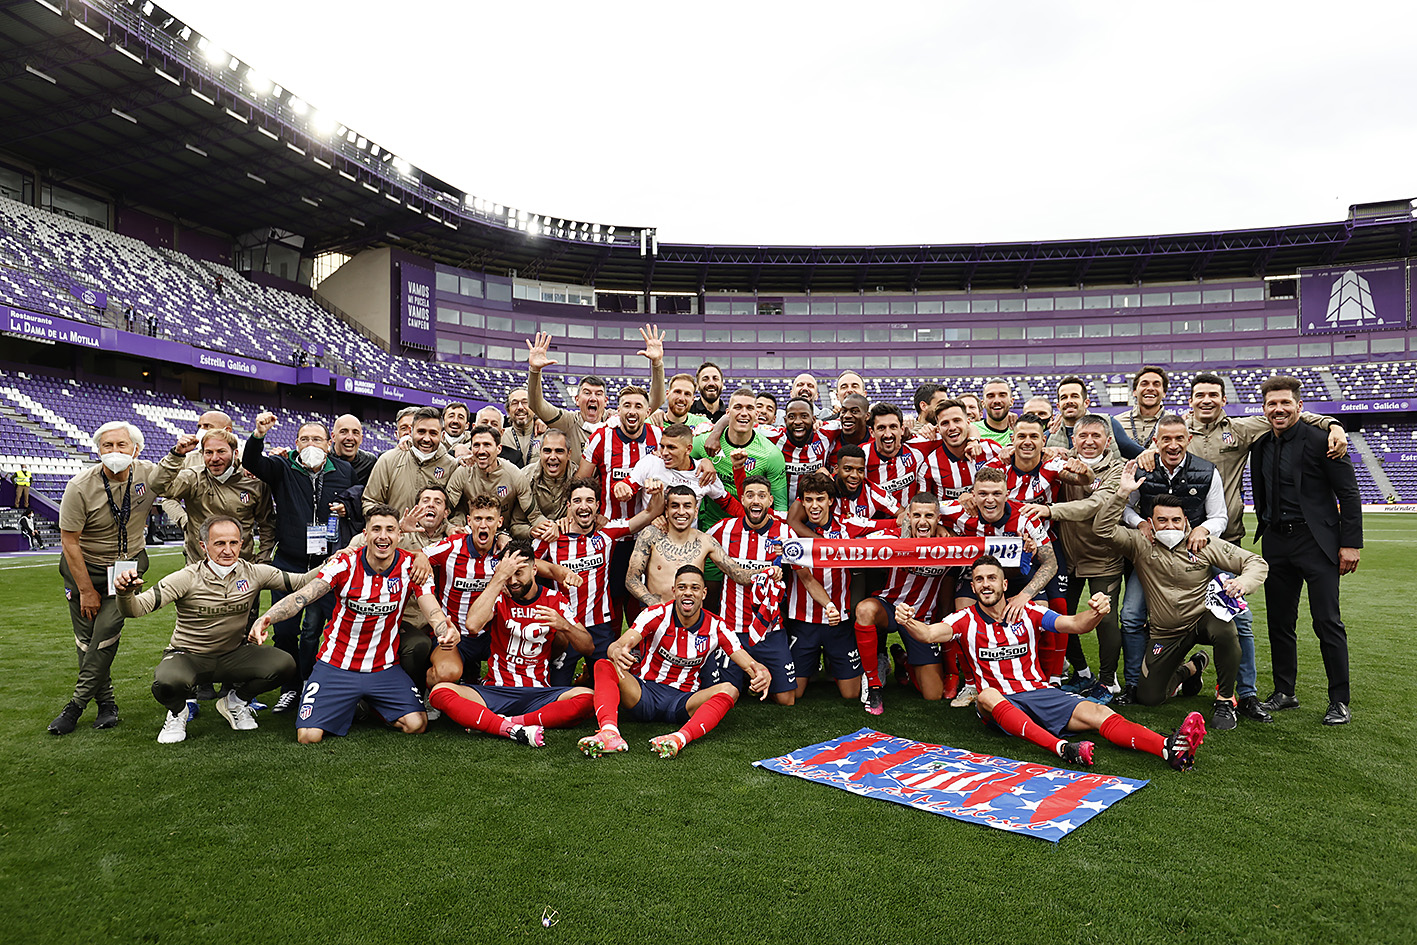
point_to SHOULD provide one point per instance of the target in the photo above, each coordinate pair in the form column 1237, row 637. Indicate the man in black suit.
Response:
column 1311, row 519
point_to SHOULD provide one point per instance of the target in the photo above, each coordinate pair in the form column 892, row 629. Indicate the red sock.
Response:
column 1119, row 731
column 706, row 716
column 607, row 695
column 866, row 646
column 910, row 671
column 563, row 713
column 966, row 668
column 1055, row 653
column 467, row 713
column 1015, row 721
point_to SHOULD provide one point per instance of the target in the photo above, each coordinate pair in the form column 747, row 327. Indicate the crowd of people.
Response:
column 550, row 568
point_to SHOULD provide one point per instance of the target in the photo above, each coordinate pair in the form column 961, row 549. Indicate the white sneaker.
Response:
column 236, row 712
column 174, row 729
column 967, row 694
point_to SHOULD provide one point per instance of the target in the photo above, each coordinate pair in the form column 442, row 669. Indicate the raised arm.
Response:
column 538, row 357
column 253, row 454
column 486, row 604
column 654, row 351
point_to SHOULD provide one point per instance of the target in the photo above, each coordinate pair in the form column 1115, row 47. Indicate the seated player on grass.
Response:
column 676, row 638
column 525, row 622
column 1014, row 694
column 359, row 657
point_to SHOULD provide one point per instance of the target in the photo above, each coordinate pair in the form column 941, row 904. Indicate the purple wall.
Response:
column 201, row 245
column 145, row 227
column 276, row 282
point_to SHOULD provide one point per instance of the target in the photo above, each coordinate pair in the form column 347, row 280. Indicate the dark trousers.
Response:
column 416, row 653
column 300, row 635
column 1109, row 633
column 251, row 669
column 1161, row 668
column 1294, row 560
column 96, row 640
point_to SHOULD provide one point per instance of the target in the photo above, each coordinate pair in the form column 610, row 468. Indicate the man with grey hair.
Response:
column 102, row 520
column 403, row 423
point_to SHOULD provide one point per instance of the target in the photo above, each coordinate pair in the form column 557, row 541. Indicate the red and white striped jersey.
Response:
column 810, row 457
column 831, row 429
column 945, row 476
column 920, row 587
column 521, row 639
column 899, row 476
column 363, row 632
column 672, row 654
column 749, row 548
column 459, row 574
column 798, row 604
column 1039, row 486
column 869, row 502
column 1013, row 524
column 614, row 456
column 588, row 556
column 1004, row 656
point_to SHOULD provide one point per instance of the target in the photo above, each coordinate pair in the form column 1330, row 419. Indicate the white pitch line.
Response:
column 54, row 563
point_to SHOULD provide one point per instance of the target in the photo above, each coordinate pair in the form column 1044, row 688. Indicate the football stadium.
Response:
column 440, row 569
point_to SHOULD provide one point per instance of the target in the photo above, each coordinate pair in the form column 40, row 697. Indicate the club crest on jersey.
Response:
column 305, row 711
column 245, row 498
column 501, row 492
column 140, row 489
column 1156, row 648
column 597, row 542
column 243, row 585
column 818, row 449
column 773, row 546
column 439, row 472
column 749, row 464
column 394, row 585
column 1227, row 437
column 701, row 643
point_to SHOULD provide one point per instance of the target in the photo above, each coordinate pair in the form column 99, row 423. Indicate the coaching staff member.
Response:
column 1311, row 520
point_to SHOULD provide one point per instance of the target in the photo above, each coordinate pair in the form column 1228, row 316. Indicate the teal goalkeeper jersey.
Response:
column 764, row 459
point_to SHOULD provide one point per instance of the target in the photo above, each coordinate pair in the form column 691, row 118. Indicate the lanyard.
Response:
column 317, row 482
column 120, row 517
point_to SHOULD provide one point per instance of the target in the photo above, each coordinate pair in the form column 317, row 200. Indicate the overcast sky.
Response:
column 820, row 123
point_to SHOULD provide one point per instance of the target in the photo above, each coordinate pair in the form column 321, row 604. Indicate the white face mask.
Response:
column 421, row 456
column 313, row 457
column 1093, row 462
column 1170, row 537
column 230, row 471
column 116, row 462
column 222, row 570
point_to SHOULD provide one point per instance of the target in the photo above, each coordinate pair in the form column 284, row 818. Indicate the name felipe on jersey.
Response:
column 1003, row 652
column 373, row 608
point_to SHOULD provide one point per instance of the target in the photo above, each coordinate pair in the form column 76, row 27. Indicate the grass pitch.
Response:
column 1286, row 833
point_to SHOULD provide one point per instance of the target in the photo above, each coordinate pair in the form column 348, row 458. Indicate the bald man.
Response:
column 346, row 440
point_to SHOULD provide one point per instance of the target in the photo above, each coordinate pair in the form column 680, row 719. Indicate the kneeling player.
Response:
column 1014, row 694
column 676, row 637
column 359, row 658
column 524, row 621
column 813, row 627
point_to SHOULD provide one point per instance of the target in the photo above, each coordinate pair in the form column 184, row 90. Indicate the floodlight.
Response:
column 322, row 123
column 533, row 229
column 402, row 166
column 216, row 56
column 257, row 83
column 298, row 106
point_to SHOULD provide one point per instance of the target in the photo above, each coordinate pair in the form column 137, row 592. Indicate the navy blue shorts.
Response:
column 563, row 665
column 1051, row 708
column 917, row 653
column 809, row 640
column 331, row 695
column 773, row 651
column 474, row 650
column 661, row 703
column 518, row 700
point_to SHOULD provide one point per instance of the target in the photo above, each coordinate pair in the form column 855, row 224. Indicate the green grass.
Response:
column 1290, row 832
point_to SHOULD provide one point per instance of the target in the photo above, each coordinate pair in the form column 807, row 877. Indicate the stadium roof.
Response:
column 119, row 97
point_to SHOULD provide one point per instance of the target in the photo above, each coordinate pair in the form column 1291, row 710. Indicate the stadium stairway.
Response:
column 1381, row 482
column 1335, row 390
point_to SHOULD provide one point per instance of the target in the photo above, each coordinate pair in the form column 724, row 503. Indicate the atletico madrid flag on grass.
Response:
column 1017, row 796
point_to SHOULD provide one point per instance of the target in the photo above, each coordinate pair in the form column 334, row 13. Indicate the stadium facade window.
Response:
column 1225, row 353
column 984, row 306
column 877, row 308
column 985, row 361
column 1282, row 322
column 526, row 326
column 852, row 363
column 1282, row 351
column 1150, row 299
column 1010, row 332
column 1126, row 300
column 1126, row 329
column 934, row 362
column 1249, row 353
column 823, row 336
column 1097, row 330
column 794, row 336
column 1040, row 359
column 985, row 334
column 694, row 335
column 930, row 334
column 1011, row 360
column 1067, row 331
column 769, row 364
column 955, row 361
column 1189, row 297
column 769, row 309
column 1316, row 349
column 796, row 309
column 1156, row 355
column 1387, row 345
column 447, row 346
column 823, row 308
column 503, row 353
column 877, row 335
column 1011, row 305
column 522, row 290
column 1219, row 325
column 1096, row 301
column 448, row 282
column 607, row 362
column 848, row 335
column 960, row 307
column 930, row 308
column 903, row 335
column 957, row 334
column 716, row 336
column 1068, row 358
column 716, row 308
column 498, row 323
column 1068, row 303
column 803, row 364
column 575, row 330
column 1186, row 355
column 1214, row 296
column 770, row 336
column 578, row 359
column 473, row 320
column 902, row 308
column 877, row 362
column 1251, row 294
column 1249, row 324
column 744, row 336
column 744, row 308
column 1126, row 356
column 902, row 362
column 1162, row 327
column 1036, row 332
column 553, row 295
column 848, row 308
column 1040, row 305
column 472, row 349
column 498, row 292
column 470, row 287
column 1097, row 357
column 558, row 329
column 448, row 316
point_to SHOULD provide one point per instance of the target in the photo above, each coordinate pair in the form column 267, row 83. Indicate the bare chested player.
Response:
column 659, row 554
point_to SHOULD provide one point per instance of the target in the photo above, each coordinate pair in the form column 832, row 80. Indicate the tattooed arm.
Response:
column 639, row 560
column 731, row 569
column 288, row 607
